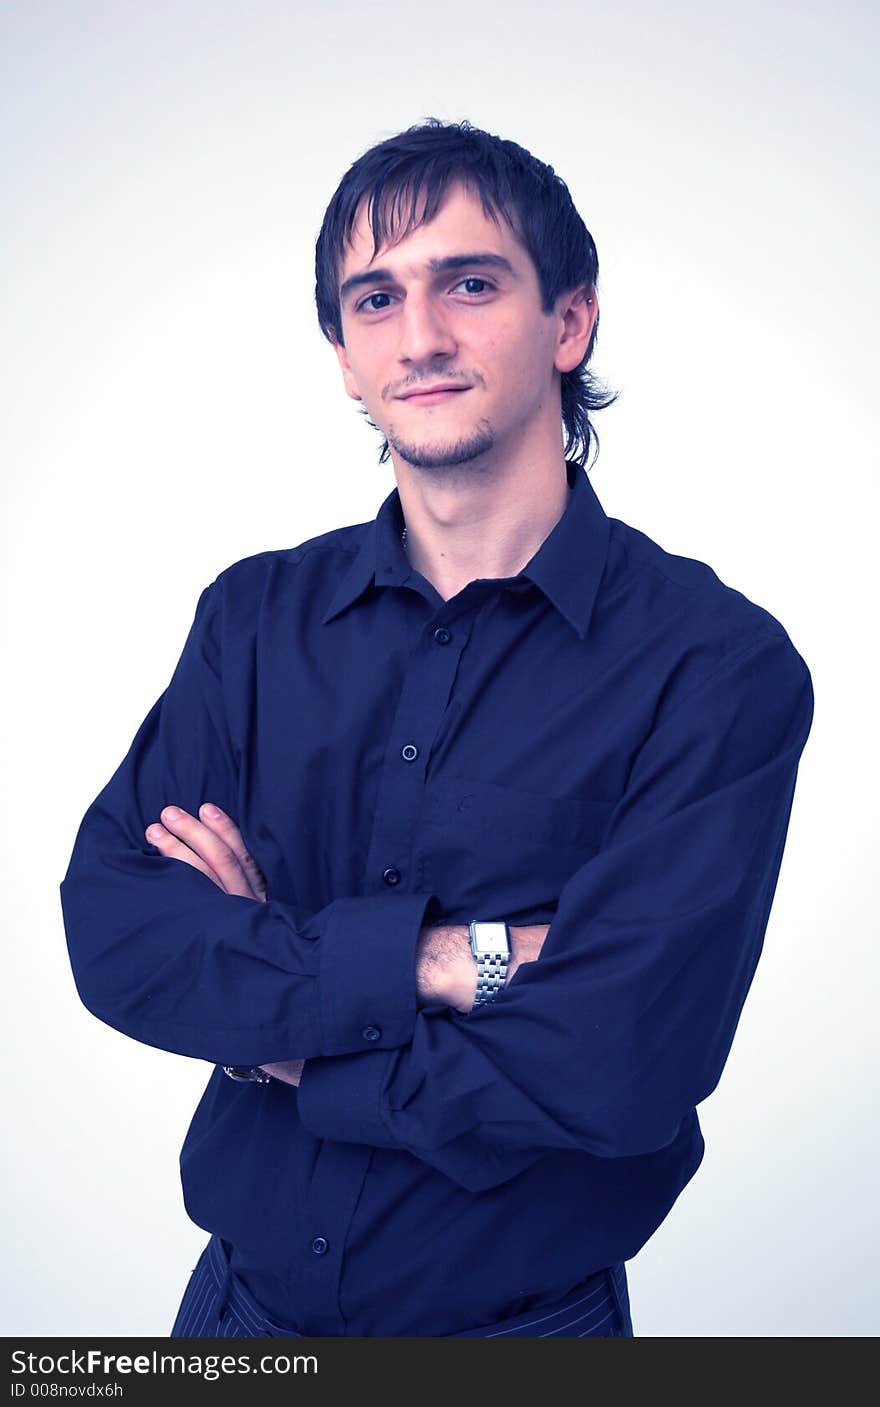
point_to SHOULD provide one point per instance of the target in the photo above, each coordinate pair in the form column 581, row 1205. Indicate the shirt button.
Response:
column 371, row 1033
column 442, row 635
column 391, row 875
column 320, row 1245
column 409, row 753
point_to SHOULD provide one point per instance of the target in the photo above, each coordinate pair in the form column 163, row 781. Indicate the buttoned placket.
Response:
column 393, row 865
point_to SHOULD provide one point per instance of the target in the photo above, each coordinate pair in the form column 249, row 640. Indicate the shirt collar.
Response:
column 567, row 567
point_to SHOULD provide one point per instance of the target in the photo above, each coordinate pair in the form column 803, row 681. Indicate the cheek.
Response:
column 376, row 407
column 510, row 346
column 515, row 358
column 377, row 364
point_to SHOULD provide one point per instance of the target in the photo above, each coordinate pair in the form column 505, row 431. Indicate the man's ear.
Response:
column 577, row 312
column 351, row 386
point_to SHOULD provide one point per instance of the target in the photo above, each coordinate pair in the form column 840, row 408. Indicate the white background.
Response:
column 172, row 407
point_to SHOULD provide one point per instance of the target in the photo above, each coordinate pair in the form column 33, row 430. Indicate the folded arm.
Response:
column 445, row 971
column 607, row 1043
column 163, row 954
column 603, row 1046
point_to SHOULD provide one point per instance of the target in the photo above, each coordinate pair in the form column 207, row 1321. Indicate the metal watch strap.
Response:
column 491, row 977
column 490, row 945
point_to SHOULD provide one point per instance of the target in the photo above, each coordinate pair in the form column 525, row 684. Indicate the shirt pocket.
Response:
column 493, row 850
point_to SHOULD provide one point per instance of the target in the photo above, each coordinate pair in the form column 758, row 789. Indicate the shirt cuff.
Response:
column 340, row 1098
column 367, row 971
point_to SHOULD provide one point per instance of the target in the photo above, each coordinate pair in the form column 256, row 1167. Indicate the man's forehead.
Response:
column 460, row 214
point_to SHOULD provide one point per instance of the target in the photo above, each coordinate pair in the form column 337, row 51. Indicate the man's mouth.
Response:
column 431, row 395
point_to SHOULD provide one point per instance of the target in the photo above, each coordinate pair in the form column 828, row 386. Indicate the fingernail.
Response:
column 212, row 812
column 154, row 833
column 171, row 813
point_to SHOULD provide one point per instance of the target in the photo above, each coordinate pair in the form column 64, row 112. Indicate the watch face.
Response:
column 488, row 939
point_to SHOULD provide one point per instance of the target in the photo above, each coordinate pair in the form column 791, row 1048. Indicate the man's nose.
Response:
column 424, row 330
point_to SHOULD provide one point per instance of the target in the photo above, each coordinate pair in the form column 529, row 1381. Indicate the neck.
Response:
column 485, row 528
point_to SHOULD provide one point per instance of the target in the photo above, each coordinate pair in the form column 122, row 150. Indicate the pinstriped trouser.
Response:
column 216, row 1305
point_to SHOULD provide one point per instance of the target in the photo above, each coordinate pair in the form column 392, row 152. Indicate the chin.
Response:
column 444, row 454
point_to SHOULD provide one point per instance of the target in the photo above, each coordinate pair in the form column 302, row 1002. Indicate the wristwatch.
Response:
column 247, row 1074
column 490, row 945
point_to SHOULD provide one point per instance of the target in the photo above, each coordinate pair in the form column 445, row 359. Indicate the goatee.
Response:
column 448, row 455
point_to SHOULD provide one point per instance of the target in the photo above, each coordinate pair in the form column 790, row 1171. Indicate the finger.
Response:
column 174, row 849
column 210, row 848
column 224, row 826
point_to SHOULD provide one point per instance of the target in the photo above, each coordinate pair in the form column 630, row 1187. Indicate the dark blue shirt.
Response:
column 607, row 742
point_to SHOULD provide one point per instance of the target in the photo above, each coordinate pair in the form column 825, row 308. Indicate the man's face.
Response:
column 454, row 305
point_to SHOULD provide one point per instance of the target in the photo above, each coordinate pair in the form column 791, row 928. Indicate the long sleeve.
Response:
column 608, row 1042
column 164, row 955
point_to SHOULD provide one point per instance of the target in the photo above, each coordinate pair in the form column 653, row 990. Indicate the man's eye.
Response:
column 474, row 279
column 370, row 305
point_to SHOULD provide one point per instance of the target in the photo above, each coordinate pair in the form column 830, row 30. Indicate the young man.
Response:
column 481, row 808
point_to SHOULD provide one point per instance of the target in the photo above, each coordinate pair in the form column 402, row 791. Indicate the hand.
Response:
column 213, row 845
column 526, row 942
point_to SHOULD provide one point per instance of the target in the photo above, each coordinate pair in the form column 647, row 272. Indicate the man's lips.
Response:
column 433, row 393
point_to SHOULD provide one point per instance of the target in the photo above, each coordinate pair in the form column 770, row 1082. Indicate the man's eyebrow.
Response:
column 436, row 266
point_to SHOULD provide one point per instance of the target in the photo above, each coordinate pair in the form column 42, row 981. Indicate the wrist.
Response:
column 446, row 974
